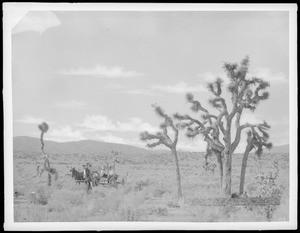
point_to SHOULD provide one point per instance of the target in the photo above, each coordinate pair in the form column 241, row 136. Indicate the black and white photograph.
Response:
column 150, row 116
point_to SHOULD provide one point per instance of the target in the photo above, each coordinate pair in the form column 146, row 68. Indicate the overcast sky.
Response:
column 94, row 75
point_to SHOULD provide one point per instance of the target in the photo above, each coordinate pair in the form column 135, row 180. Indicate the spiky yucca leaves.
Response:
column 195, row 105
column 161, row 136
column 215, row 87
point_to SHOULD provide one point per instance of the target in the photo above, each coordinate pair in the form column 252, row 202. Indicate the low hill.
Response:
column 24, row 143
column 280, row 149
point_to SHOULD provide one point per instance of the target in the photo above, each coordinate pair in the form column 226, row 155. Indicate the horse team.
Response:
column 92, row 177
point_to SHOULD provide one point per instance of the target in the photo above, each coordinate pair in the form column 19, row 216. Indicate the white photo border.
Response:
column 13, row 13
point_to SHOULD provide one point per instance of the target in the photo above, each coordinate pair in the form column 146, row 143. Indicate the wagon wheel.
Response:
column 113, row 182
column 96, row 181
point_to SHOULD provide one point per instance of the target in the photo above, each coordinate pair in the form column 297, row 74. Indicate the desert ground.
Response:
column 149, row 193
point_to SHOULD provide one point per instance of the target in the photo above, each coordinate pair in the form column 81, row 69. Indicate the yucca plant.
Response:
column 51, row 171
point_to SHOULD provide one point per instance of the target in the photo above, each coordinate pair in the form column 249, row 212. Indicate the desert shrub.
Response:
column 158, row 192
column 282, row 211
column 240, row 214
column 105, row 204
column 42, row 196
column 117, row 204
column 157, row 210
column 213, row 214
column 18, row 193
column 59, row 185
column 173, row 204
column 76, row 213
column 130, row 213
column 139, row 185
column 64, row 200
column 266, row 185
column 32, row 213
column 127, row 189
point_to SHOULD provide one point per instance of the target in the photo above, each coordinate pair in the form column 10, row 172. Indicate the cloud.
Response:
column 103, row 123
column 98, row 122
column 147, row 92
column 196, row 144
column 30, row 120
column 71, row 104
column 268, row 75
column 102, row 72
column 251, row 118
column 284, row 120
column 38, row 21
column 116, row 139
column 111, row 138
column 179, row 88
column 135, row 124
column 64, row 134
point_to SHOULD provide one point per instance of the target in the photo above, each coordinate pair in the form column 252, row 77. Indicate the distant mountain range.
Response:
column 281, row 149
column 24, row 143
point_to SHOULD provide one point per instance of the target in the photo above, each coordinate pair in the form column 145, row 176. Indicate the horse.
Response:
column 78, row 176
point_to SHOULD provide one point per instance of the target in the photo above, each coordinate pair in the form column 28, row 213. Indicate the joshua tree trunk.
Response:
column 244, row 165
column 220, row 164
column 228, row 163
column 49, row 179
column 47, row 168
column 179, row 192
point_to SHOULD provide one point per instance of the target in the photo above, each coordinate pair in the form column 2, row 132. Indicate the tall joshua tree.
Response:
column 162, row 138
column 217, row 130
column 51, row 171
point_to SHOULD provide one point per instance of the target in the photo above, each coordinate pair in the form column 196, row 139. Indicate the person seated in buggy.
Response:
column 107, row 171
column 91, row 175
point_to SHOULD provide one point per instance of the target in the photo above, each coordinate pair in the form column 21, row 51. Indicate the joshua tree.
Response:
column 44, row 128
column 51, row 171
column 256, row 139
column 209, row 126
column 217, row 130
column 162, row 138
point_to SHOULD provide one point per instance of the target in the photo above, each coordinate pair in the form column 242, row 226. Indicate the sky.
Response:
column 94, row 75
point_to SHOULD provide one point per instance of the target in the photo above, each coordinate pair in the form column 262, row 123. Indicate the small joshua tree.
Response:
column 44, row 128
column 51, row 171
column 223, row 131
column 210, row 126
column 162, row 138
column 257, row 138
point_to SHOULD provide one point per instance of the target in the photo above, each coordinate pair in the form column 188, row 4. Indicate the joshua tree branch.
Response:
column 213, row 144
column 145, row 136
